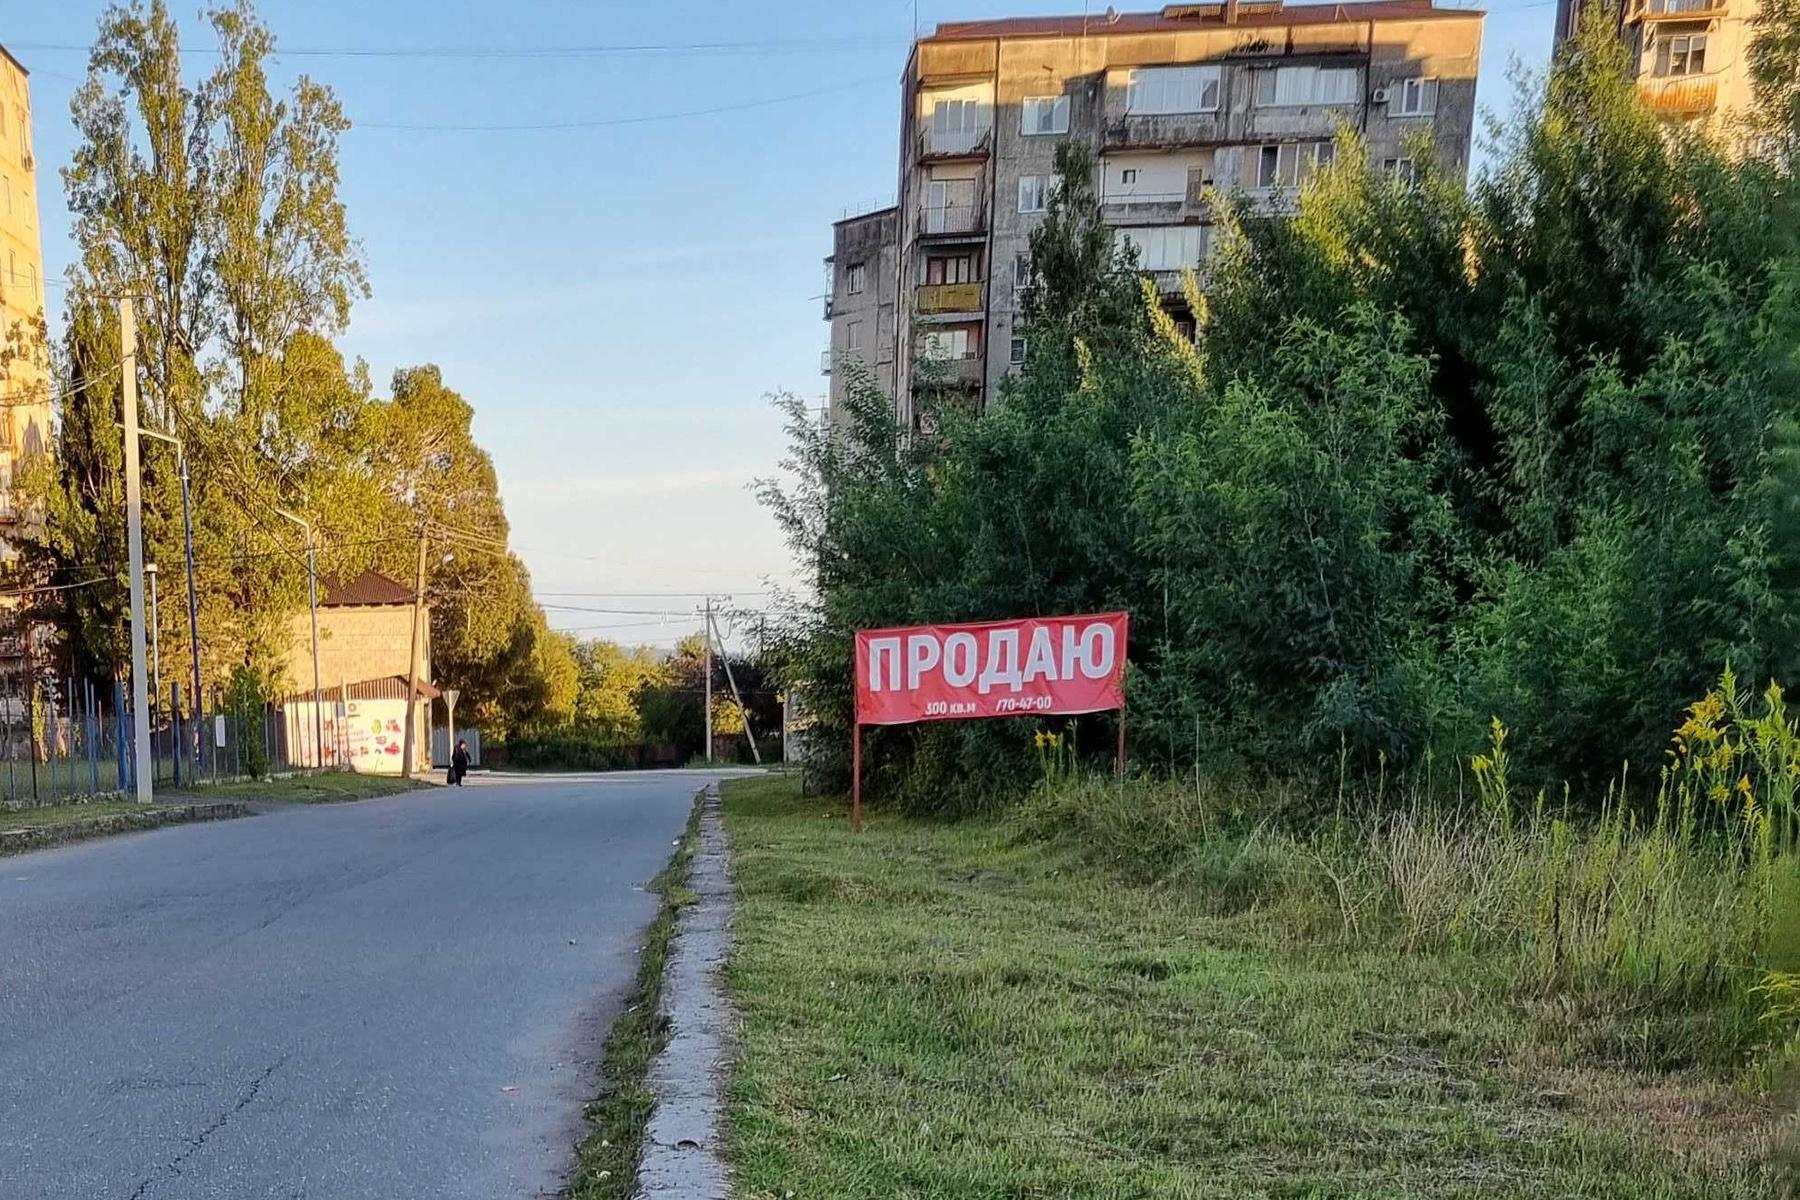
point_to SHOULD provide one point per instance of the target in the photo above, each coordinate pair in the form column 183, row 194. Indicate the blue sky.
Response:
column 617, row 302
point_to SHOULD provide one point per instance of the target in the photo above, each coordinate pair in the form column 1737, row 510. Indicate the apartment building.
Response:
column 1689, row 56
column 24, row 379
column 861, row 284
column 1180, row 104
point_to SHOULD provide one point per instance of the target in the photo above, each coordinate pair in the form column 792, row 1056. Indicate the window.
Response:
column 951, row 268
column 1022, row 270
column 855, row 276
column 1682, row 55
column 1288, row 164
column 1044, row 114
column 1034, row 192
column 1285, row 87
column 1156, row 90
column 1017, row 355
column 956, row 124
column 1413, row 98
column 853, row 337
column 1128, row 176
column 1403, row 171
column 942, row 344
column 1168, row 247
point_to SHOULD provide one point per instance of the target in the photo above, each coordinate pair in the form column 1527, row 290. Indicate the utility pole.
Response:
column 187, row 533
column 312, row 603
column 708, row 701
column 412, row 664
column 744, row 713
column 134, row 544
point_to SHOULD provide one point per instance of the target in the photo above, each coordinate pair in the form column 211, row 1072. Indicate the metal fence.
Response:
column 70, row 738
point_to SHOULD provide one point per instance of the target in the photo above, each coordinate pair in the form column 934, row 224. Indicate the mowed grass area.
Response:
column 328, row 787
column 949, row 1010
column 65, row 814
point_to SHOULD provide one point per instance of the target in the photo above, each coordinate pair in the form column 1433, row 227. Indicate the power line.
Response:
column 595, row 50
column 609, row 122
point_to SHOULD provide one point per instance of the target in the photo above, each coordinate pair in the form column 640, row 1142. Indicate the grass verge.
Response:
column 954, row 1009
column 65, row 814
column 329, row 787
column 607, row 1158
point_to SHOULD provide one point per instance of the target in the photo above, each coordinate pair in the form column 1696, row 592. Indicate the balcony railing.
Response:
column 1681, row 99
column 956, row 143
column 951, row 218
column 961, row 371
column 949, row 298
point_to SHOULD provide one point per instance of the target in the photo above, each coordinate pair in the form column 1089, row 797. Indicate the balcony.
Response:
column 1676, row 10
column 961, row 372
column 959, row 143
column 1680, row 99
column 953, row 220
column 940, row 298
column 1161, row 208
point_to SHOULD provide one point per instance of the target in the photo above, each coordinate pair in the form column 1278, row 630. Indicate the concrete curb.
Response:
column 18, row 841
column 684, row 1150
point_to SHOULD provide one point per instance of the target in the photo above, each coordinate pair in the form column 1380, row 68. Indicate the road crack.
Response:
column 195, row 1143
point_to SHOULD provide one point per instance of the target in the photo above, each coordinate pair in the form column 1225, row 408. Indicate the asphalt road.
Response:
column 397, row 998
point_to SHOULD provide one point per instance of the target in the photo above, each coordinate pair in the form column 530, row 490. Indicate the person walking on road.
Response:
column 459, row 762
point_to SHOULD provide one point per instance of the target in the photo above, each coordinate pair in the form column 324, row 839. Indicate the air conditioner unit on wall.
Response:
column 1380, row 96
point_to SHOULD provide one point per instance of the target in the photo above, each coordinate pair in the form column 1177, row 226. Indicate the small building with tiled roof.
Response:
column 365, row 634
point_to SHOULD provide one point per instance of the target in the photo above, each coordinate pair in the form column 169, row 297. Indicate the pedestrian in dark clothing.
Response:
column 459, row 762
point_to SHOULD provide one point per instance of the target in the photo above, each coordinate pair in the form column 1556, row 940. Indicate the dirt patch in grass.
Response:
column 943, row 1010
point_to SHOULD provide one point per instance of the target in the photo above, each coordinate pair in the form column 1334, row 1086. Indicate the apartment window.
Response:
column 1413, row 98
column 1044, row 114
column 1288, row 164
column 1017, row 354
column 951, row 268
column 1021, row 270
column 1034, row 192
column 1151, row 91
column 943, row 344
column 956, row 123
column 1286, row 87
column 1128, row 177
column 1168, row 247
column 1403, row 171
column 1682, row 55
column 853, row 337
column 855, row 276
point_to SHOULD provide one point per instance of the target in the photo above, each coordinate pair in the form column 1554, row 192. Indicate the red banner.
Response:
column 991, row 669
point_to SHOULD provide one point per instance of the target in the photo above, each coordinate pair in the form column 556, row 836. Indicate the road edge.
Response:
column 45, row 837
column 684, row 1150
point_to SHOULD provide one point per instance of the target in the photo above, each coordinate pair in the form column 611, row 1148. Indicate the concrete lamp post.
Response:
column 312, row 603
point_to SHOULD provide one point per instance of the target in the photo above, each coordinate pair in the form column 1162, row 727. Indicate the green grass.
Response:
column 325, row 788
column 937, row 1010
column 606, row 1160
column 65, row 814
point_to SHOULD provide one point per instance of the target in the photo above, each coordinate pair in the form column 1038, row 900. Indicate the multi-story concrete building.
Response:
column 24, row 378
column 1688, row 56
column 1177, row 105
column 861, row 281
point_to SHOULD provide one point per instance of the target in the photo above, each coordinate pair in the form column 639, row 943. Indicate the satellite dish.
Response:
column 1112, row 15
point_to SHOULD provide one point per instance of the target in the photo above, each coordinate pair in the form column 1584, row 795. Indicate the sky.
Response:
column 615, row 255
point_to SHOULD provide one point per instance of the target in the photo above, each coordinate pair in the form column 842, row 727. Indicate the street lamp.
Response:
column 312, row 602
column 155, row 642
column 187, row 531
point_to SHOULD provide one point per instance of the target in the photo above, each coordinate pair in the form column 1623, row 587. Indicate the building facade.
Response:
column 365, row 655
column 24, row 374
column 861, row 283
column 1689, row 57
column 1178, row 106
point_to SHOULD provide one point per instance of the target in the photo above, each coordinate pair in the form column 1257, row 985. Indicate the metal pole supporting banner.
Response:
column 708, row 698
column 856, row 778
